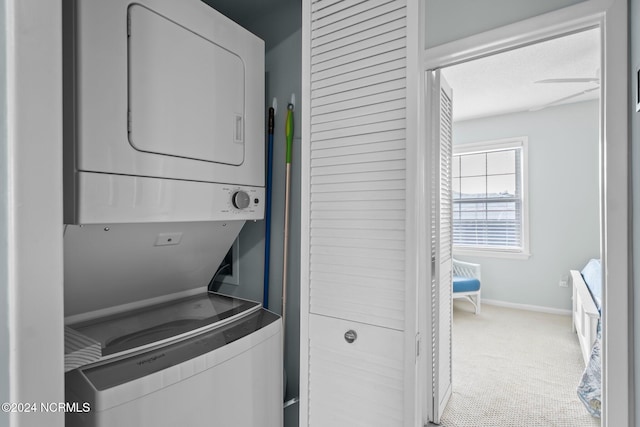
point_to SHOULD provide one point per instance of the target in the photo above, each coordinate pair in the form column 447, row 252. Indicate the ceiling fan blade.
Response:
column 571, row 80
column 557, row 101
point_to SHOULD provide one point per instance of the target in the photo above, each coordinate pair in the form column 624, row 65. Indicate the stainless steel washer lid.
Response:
column 128, row 331
column 114, row 373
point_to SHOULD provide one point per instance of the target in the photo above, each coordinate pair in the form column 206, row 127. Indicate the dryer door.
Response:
column 186, row 93
column 166, row 89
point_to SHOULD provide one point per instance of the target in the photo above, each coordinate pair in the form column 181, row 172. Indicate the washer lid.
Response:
column 168, row 321
column 135, row 367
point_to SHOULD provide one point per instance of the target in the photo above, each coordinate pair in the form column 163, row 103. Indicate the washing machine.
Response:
column 203, row 360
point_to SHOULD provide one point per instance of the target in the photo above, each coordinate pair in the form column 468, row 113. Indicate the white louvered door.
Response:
column 354, row 176
column 441, row 243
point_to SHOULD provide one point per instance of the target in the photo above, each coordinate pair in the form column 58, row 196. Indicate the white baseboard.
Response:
column 527, row 307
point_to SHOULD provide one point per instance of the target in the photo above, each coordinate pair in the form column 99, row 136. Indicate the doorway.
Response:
column 613, row 137
column 525, row 157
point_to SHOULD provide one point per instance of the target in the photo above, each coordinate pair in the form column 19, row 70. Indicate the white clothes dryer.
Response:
column 164, row 114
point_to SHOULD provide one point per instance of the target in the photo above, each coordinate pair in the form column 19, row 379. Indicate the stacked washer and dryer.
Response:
column 164, row 162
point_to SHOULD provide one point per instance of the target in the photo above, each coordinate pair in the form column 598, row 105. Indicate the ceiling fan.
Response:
column 595, row 80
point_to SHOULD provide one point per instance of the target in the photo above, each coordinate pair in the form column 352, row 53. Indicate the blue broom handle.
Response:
column 267, row 216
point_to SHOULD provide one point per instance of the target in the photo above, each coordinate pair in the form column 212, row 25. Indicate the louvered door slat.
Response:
column 360, row 158
column 373, row 283
column 368, row 119
column 390, row 139
column 359, row 205
column 372, row 99
column 359, row 224
column 344, row 10
column 358, row 27
column 318, row 5
column 347, row 242
column 349, row 271
column 393, row 64
column 357, row 215
column 355, row 260
column 359, row 186
column 365, row 82
column 360, row 112
column 370, row 253
column 358, row 195
column 357, row 234
column 357, row 93
column 335, row 8
column 367, row 30
column 375, row 147
column 359, row 177
column 369, row 10
column 359, row 65
column 356, row 57
column 362, row 139
column 360, row 167
column 361, row 46
column 364, row 129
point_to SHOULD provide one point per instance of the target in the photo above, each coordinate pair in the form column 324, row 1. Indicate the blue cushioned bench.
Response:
column 466, row 282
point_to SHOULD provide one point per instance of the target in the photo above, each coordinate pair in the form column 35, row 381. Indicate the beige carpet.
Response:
column 514, row 368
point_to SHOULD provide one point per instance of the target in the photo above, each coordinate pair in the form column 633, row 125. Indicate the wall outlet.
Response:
column 564, row 282
column 168, row 239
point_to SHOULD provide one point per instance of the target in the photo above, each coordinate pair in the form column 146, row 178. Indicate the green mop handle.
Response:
column 288, row 130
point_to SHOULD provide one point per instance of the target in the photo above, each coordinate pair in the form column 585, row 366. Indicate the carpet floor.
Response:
column 514, row 368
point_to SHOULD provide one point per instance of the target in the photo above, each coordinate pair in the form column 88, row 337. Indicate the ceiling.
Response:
column 271, row 20
column 243, row 10
column 505, row 83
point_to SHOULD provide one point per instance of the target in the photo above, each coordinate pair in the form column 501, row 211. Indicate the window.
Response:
column 489, row 197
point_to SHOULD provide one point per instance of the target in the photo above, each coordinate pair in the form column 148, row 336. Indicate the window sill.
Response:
column 488, row 253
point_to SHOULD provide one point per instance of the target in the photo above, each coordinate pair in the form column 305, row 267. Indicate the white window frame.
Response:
column 521, row 142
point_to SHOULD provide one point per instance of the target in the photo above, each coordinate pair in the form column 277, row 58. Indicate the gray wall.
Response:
column 278, row 24
column 634, row 65
column 455, row 19
column 283, row 66
column 4, row 226
column 563, row 201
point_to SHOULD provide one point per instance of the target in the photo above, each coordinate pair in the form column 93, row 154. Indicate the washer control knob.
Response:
column 240, row 200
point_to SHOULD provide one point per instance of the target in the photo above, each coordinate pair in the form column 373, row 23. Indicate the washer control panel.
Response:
column 244, row 201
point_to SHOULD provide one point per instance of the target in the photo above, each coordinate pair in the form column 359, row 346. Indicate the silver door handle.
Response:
column 350, row 336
